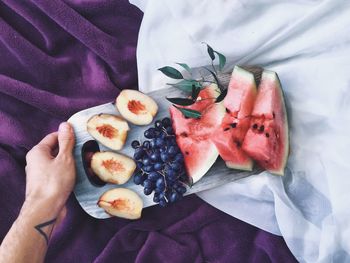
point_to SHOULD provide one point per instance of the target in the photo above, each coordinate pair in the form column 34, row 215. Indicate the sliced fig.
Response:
column 112, row 167
column 121, row 202
column 87, row 151
column 108, row 129
column 136, row 107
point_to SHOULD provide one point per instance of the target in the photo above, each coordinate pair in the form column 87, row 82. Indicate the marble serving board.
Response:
column 87, row 194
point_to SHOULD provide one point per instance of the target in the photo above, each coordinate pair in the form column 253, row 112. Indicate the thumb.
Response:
column 65, row 138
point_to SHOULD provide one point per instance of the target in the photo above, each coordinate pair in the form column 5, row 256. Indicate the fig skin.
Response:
column 87, row 151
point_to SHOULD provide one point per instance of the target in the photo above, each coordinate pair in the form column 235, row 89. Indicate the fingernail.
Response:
column 64, row 127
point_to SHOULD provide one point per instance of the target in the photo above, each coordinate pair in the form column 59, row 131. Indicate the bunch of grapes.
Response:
column 160, row 164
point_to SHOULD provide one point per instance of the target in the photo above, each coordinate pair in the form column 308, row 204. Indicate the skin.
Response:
column 50, row 179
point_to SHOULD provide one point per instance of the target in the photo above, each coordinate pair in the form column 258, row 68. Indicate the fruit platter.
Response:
column 152, row 149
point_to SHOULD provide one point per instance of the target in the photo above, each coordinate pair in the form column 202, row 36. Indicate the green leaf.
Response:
column 210, row 52
column 221, row 96
column 216, row 79
column 185, row 66
column 186, row 85
column 189, row 113
column 222, row 60
column 195, row 92
column 181, row 101
column 171, row 72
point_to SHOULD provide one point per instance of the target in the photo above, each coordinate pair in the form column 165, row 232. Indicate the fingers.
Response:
column 65, row 139
column 49, row 141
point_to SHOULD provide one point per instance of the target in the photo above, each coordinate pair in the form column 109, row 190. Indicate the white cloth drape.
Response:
column 307, row 42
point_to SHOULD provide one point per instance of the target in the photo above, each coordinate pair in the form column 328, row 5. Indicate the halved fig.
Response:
column 108, row 129
column 121, row 202
column 112, row 167
column 87, row 151
column 136, row 107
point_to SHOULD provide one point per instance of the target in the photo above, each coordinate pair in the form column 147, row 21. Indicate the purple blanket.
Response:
column 57, row 58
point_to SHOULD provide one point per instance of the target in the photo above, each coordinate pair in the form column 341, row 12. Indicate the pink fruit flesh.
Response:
column 228, row 139
column 240, row 96
column 113, row 165
column 121, row 204
column 136, row 107
column 194, row 152
column 267, row 138
column 107, row 130
column 204, row 126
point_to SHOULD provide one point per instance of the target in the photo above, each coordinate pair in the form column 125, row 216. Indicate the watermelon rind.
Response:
column 207, row 163
column 267, row 74
column 243, row 73
column 245, row 167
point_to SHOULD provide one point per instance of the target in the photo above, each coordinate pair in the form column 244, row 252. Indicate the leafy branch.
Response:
column 194, row 86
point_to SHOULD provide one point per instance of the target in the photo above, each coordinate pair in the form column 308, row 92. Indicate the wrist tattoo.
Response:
column 40, row 227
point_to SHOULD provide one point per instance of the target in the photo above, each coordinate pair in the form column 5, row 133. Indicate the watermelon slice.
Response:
column 199, row 155
column 267, row 138
column 239, row 103
column 193, row 135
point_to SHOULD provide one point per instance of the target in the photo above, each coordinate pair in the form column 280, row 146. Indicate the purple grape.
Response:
column 148, row 183
column 146, row 144
column 158, row 124
column 135, row 144
column 153, row 176
column 160, row 184
column 148, row 168
column 181, row 189
column 157, row 166
column 139, row 152
column 173, row 197
column 163, row 202
column 164, row 156
column 156, row 198
column 166, row 122
column 147, row 191
column 155, row 156
column 159, row 142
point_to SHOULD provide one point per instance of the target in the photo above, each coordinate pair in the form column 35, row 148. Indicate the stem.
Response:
column 209, row 81
column 212, row 65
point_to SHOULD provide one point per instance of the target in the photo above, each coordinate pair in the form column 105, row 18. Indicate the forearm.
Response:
column 28, row 237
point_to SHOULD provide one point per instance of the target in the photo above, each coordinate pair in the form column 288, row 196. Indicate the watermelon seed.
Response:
column 267, row 135
column 227, row 110
column 262, row 127
column 273, row 114
column 238, row 143
column 255, row 126
column 187, row 153
column 226, row 129
column 184, row 134
column 234, row 125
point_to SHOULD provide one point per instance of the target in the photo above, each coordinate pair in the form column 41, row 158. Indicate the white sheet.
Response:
column 308, row 44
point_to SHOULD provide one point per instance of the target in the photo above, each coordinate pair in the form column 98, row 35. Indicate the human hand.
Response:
column 51, row 176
